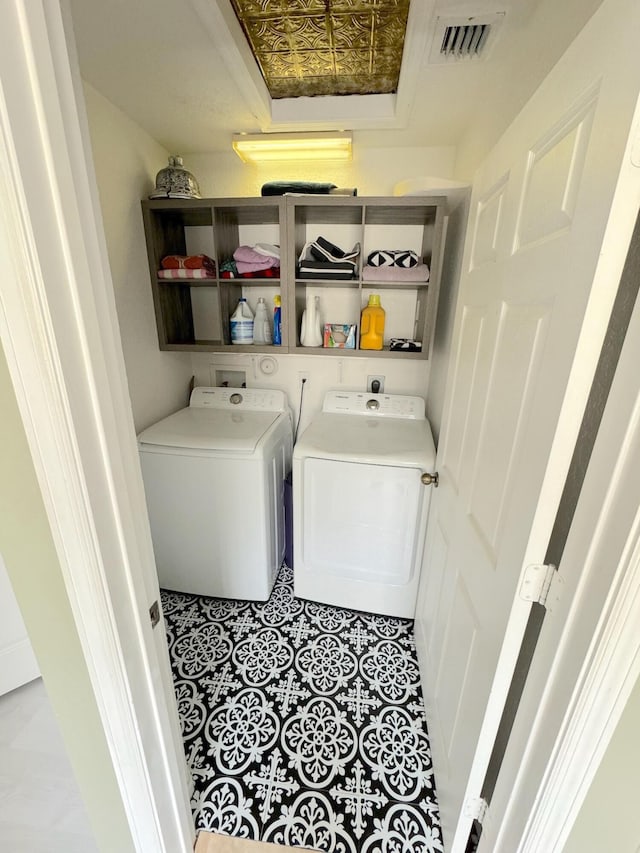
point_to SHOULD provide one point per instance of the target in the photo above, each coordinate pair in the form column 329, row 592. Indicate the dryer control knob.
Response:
column 373, row 404
column 235, row 399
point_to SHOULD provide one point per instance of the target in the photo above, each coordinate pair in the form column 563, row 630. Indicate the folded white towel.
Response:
column 267, row 249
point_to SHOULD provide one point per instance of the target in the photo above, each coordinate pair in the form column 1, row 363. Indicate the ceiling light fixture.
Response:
column 263, row 147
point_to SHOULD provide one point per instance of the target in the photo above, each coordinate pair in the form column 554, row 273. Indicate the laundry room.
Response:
column 263, row 616
column 412, row 197
column 295, row 644
column 339, row 401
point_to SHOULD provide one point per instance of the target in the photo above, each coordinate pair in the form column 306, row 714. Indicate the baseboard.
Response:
column 18, row 666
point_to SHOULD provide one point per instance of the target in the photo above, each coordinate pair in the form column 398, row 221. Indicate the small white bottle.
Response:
column 242, row 323
column 261, row 327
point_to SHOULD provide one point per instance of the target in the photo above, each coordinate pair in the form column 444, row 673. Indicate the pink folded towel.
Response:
column 244, row 267
column 248, row 255
column 249, row 260
column 399, row 274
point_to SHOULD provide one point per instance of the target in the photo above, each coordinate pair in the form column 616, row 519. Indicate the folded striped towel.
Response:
column 323, row 250
column 185, row 273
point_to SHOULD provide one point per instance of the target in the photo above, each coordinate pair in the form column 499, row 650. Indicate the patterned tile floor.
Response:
column 303, row 723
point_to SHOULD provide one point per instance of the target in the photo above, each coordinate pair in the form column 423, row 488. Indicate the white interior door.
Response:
column 535, row 295
column 588, row 654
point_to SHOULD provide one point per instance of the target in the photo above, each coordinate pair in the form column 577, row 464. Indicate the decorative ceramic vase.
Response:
column 175, row 182
column 310, row 334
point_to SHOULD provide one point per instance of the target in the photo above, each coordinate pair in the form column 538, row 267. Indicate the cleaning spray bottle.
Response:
column 277, row 320
column 261, row 326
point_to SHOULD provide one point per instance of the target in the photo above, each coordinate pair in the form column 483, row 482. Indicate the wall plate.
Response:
column 268, row 365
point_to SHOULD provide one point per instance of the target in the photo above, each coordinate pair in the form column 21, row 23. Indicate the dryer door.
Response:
column 362, row 531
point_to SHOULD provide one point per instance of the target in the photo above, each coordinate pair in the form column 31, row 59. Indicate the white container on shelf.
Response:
column 242, row 323
column 310, row 333
column 261, row 325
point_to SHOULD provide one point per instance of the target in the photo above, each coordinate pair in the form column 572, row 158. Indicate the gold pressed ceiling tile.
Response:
column 326, row 47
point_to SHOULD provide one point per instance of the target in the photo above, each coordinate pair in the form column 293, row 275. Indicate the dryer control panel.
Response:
column 376, row 405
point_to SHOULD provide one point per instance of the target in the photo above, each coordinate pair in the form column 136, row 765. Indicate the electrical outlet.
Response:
column 371, row 380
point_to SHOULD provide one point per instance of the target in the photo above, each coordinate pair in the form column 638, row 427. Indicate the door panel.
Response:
column 521, row 333
column 462, row 635
column 552, row 178
column 531, row 296
column 489, row 224
column 466, row 369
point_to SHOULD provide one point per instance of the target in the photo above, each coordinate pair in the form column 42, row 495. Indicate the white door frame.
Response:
column 59, row 329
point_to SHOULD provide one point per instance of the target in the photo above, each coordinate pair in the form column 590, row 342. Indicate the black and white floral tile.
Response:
column 303, row 724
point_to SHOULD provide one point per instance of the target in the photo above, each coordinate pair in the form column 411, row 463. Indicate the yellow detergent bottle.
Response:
column 372, row 324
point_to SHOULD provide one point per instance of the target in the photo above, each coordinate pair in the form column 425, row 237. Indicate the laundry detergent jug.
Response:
column 372, row 324
column 242, row 323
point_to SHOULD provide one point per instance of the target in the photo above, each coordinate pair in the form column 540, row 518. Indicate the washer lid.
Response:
column 375, row 440
column 233, row 431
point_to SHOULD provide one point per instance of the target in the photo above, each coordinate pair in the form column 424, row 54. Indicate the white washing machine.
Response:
column 360, row 506
column 214, row 481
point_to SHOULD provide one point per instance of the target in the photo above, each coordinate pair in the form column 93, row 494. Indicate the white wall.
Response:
column 126, row 162
column 373, row 171
column 517, row 70
column 608, row 818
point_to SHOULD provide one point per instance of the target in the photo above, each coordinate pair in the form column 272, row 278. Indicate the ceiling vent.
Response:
column 471, row 37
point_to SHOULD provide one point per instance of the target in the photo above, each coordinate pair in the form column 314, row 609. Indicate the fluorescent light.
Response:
column 261, row 147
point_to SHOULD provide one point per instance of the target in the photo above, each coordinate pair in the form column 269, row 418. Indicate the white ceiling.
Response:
column 181, row 70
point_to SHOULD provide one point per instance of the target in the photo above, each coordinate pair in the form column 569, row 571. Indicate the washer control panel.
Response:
column 376, row 405
column 249, row 399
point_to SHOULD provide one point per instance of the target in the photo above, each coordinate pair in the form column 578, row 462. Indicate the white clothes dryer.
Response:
column 214, row 481
column 360, row 507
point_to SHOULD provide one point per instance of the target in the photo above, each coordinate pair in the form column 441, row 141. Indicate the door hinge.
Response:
column 154, row 614
column 541, row 583
column 476, row 808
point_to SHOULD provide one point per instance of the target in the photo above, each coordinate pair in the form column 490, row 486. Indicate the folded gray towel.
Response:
column 303, row 187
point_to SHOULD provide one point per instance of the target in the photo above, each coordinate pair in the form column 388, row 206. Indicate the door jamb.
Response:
column 59, row 329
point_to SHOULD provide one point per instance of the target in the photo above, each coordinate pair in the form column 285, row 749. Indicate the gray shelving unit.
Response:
column 193, row 314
